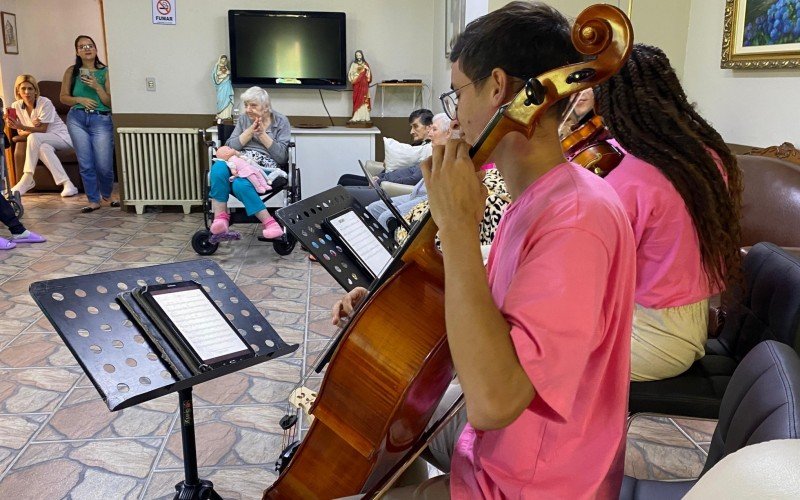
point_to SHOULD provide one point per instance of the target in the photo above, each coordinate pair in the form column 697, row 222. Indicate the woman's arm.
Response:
column 66, row 96
column 279, row 147
column 104, row 91
column 235, row 140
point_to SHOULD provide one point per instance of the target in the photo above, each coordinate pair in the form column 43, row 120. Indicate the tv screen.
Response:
column 287, row 49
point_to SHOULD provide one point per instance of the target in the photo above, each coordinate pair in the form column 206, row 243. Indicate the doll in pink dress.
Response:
column 240, row 167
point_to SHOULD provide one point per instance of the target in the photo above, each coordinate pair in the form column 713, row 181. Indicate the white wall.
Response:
column 47, row 31
column 663, row 23
column 753, row 107
column 396, row 38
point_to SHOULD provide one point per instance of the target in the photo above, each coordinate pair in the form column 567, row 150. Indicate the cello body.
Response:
column 382, row 386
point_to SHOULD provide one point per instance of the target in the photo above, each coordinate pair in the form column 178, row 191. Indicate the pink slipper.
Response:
column 272, row 229
column 28, row 237
column 220, row 224
column 6, row 245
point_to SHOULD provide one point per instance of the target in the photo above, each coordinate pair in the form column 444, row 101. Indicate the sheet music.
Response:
column 200, row 323
column 361, row 241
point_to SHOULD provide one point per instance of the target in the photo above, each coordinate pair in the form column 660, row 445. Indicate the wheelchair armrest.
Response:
column 374, row 167
column 393, row 189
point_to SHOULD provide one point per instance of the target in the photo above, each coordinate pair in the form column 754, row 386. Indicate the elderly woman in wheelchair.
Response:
column 262, row 135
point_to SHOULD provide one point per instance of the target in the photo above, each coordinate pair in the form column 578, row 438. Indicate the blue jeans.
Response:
column 93, row 139
column 221, row 187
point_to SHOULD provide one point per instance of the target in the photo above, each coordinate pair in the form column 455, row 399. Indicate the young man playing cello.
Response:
column 541, row 338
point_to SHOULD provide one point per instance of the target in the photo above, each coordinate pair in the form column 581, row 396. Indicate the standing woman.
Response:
column 37, row 119
column 85, row 87
column 681, row 188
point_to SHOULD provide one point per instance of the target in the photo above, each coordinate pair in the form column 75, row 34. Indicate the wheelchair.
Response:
column 285, row 191
column 13, row 197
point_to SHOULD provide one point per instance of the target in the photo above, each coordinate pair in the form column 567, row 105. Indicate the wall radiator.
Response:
column 161, row 166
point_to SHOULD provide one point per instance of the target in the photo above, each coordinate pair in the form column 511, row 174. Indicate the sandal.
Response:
column 28, row 237
column 6, row 245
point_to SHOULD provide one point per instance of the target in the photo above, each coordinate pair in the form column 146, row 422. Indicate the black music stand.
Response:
column 118, row 357
column 306, row 221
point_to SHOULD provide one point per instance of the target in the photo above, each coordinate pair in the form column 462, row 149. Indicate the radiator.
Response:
column 161, row 166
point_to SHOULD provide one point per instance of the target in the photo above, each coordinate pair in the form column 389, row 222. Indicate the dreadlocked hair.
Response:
column 646, row 110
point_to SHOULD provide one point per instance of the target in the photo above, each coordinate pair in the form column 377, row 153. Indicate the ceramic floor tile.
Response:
column 84, row 415
column 15, row 431
column 699, row 430
column 36, row 350
column 157, row 255
column 657, row 449
column 232, row 435
column 269, row 382
column 34, row 390
column 82, row 469
column 245, row 483
column 324, row 298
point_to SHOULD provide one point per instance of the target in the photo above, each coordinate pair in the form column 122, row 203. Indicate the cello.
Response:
column 387, row 376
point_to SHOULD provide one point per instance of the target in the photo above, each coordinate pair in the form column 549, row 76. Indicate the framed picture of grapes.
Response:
column 761, row 34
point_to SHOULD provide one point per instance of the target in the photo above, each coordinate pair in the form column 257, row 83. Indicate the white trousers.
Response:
column 42, row 145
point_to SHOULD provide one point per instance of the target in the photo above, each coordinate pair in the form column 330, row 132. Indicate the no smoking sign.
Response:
column 164, row 11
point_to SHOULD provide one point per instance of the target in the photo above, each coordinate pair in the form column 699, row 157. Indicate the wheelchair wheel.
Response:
column 16, row 206
column 285, row 245
column 202, row 245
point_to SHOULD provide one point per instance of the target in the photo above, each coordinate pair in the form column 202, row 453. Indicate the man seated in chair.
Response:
column 420, row 123
column 439, row 134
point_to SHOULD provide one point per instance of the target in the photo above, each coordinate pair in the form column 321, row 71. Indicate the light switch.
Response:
column 151, row 83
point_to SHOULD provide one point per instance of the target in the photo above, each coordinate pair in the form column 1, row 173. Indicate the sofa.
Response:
column 44, row 181
column 771, row 198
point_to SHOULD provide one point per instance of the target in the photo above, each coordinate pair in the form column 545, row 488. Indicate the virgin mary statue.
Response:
column 221, row 77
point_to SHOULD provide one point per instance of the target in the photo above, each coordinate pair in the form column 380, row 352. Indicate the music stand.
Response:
column 118, row 356
column 306, row 220
column 384, row 198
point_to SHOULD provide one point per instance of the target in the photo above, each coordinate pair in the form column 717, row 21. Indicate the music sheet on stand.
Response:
column 200, row 323
column 362, row 242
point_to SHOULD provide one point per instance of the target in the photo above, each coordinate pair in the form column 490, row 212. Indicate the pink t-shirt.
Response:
column 669, row 267
column 562, row 272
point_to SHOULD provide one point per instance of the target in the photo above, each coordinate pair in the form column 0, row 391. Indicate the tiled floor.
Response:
column 58, row 439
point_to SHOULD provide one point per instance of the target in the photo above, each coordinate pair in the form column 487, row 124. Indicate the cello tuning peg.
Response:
column 288, row 421
column 535, row 92
column 581, row 75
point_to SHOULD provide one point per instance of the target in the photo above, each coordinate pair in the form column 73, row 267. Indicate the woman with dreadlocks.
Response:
column 681, row 187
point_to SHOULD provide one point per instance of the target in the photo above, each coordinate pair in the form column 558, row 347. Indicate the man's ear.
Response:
column 501, row 87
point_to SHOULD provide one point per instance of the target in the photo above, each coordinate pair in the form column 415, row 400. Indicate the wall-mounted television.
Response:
column 278, row 49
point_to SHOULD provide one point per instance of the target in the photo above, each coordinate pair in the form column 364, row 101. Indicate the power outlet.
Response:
column 150, row 83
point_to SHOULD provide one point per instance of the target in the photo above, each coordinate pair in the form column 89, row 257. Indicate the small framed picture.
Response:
column 10, row 38
column 454, row 17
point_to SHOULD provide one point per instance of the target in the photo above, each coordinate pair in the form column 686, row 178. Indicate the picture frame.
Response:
column 10, row 33
column 454, row 18
column 761, row 34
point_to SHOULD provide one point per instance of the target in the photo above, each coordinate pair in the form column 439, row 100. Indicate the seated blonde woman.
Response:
column 262, row 135
column 36, row 119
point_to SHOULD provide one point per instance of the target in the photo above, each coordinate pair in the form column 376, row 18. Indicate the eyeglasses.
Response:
column 86, row 46
column 449, row 99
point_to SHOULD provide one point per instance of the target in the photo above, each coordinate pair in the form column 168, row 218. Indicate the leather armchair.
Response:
column 761, row 403
column 769, row 309
column 392, row 188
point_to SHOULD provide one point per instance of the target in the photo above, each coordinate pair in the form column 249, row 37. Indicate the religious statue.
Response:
column 360, row 76
column 221, row 77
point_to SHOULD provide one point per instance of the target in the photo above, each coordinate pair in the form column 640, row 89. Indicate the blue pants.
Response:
column 242, row 189
column 93, row 139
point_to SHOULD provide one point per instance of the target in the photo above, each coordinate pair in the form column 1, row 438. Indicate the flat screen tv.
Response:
column 278, row 49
